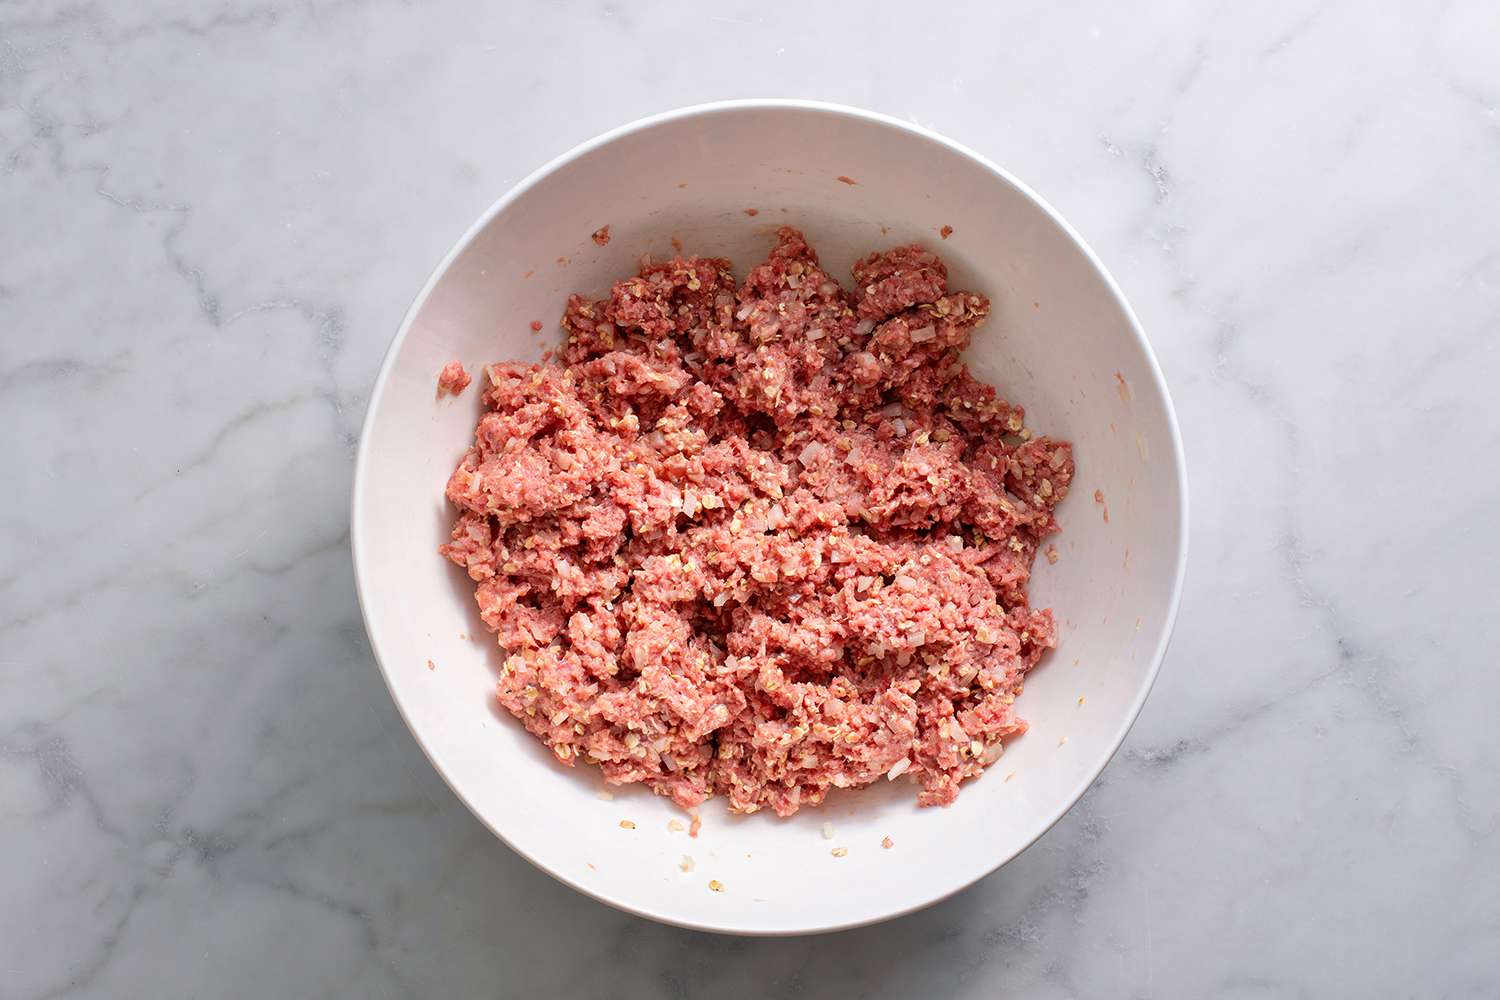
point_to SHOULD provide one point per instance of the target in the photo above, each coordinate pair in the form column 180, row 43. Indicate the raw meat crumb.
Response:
column 1052, row 554
column 626, row 824
column 887, row 843
column 752, row 212
column 695, row 825
column 453, row 379
column 762, row 538
column 945, row 232
column 431, row 665
column 601, row 236
column 842, row 179
column 536, row 326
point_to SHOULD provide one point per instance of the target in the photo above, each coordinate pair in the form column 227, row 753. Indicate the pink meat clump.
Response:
column 453, row 379
column 762, row 539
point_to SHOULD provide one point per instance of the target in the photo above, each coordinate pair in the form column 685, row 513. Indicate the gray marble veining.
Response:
column 211, row 220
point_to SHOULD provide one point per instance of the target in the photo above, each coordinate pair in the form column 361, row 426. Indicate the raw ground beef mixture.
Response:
column 761, row 539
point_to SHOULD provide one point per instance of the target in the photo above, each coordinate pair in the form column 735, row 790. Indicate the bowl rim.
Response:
column 361, row 466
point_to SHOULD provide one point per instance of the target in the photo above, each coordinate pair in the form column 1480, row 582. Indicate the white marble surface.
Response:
column 212, row 216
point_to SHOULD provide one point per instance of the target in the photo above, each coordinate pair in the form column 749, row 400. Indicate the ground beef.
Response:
column 453, row 379
column 765, row 538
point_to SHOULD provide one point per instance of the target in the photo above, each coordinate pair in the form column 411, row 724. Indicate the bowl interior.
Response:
column 1060, row 342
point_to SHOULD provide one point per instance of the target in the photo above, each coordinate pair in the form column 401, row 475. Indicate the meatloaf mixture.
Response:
column 762, row 538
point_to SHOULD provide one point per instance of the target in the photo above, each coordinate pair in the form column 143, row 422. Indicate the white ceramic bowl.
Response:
column 1061, row 341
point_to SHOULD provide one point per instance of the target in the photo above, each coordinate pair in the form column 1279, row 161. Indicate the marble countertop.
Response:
column 212, row 217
